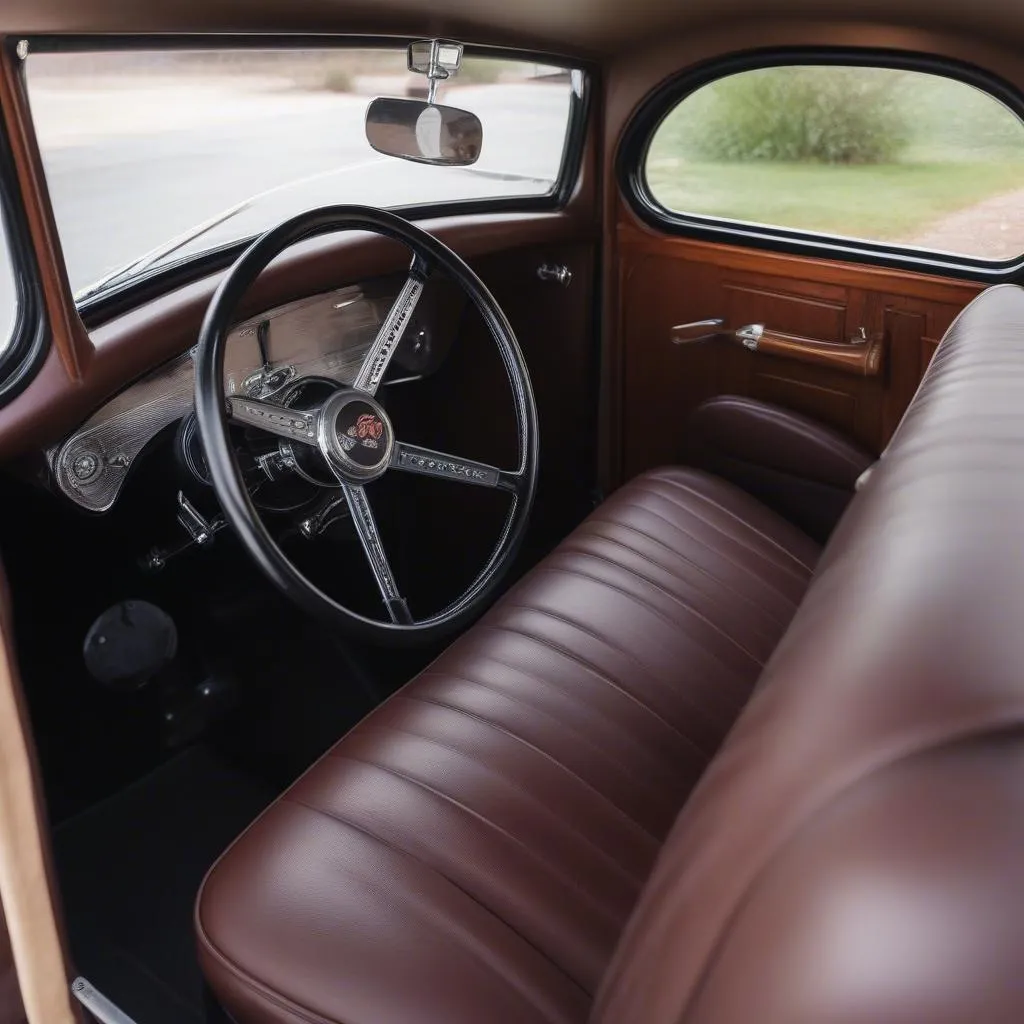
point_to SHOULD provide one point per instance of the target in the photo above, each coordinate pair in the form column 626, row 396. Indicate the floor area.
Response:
column 140, row 808
column 130, row 868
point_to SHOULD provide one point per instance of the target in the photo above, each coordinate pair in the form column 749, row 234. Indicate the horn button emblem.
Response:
column 357, row 435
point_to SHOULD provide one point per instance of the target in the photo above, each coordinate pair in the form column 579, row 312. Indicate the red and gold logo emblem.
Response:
column 366, row 431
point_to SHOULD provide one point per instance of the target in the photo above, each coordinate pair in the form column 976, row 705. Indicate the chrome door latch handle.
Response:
column 699, row 330
column 557, row 272
column 750, row 336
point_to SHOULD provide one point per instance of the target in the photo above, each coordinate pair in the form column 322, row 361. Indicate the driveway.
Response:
column 992, row 229
column 128, row 170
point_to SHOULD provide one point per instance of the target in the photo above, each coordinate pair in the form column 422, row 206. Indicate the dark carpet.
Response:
column 129, row 870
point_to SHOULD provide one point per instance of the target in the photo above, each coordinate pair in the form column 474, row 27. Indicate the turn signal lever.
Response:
column 861, row 355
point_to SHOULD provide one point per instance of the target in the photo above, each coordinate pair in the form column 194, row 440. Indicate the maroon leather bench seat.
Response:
column 480, row 839
column 670, row 780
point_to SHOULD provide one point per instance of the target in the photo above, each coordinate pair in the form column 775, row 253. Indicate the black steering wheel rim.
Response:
column 213, row 421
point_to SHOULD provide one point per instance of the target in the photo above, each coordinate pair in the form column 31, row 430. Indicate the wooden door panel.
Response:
column 821, row 312
column 669, row 281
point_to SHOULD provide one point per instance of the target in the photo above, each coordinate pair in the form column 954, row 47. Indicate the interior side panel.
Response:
column 822, row 312
column 555, row 331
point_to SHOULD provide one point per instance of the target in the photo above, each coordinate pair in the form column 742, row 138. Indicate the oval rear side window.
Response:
column 901, row 157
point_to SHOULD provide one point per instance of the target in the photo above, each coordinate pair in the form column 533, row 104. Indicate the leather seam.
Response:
column 746, row 569
column 637, row 777
column 565, row 652
column 600, row 681
column 543, row 753
column 685, row 605
column 677, row 685
column 531, row 798
column 487, row 823
column 708, row 663
column 419, row 862
column 782, row 549
column 716, row 580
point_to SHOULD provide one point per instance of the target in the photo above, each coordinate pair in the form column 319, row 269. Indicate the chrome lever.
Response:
column 192, row 522
column 699, row 330
column 557, row 272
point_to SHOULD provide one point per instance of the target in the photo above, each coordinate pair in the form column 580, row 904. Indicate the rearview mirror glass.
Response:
column 426, row 133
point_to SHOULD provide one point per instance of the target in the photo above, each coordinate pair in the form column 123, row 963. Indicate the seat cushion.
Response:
column 854, row 854
column 472, row 849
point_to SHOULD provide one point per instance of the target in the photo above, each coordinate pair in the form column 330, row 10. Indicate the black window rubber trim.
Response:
column 631, row 158
column 29, row 342
column 119, row 299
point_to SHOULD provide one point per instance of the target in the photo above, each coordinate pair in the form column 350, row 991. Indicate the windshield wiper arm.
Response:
column 137, row 266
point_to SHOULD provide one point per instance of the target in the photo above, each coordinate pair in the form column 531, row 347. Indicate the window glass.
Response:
column 902, row 157
column 205, row 148
column 8, row 292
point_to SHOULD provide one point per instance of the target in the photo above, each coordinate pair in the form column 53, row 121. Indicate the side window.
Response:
column 8, row 293
column 905, row 158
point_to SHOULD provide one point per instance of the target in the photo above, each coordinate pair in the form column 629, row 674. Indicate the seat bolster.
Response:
column 473, row 848
column 853, row 855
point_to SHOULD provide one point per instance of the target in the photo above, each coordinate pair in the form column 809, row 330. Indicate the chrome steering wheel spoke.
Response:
column 410, row 458
column 392, row 330
column 369, row 536
column 291, row 424
column 353, row 433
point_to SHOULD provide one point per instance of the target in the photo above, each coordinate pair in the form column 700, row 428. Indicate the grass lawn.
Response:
column 893, row 202
column 962, row 147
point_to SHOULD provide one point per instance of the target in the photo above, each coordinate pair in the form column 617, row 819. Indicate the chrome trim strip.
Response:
column 413, row 459
column 369, row 537
column 98, row 1004
column 292, row 424
column 377, row 360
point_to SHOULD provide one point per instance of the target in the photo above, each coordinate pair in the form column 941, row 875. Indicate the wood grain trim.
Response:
column 133, row 343
column 862, row 360
column 69, row 335
column 851, row 275
column 25, row 891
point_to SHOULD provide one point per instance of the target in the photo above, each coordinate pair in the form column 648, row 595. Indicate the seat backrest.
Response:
column 855, row 853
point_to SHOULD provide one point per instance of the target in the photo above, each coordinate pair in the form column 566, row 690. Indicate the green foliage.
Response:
column 830, row 115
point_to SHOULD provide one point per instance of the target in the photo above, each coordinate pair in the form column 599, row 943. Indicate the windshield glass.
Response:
column 154, row 156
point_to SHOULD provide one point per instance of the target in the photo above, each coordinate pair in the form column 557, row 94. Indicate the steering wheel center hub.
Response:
column 356, row 435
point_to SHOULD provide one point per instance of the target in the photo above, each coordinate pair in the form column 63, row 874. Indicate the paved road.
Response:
column 147, row 172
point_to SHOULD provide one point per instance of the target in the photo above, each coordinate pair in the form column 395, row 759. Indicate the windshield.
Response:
column 155, row 156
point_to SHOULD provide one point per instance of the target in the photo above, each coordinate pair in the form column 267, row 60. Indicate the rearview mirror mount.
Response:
column 438, row 59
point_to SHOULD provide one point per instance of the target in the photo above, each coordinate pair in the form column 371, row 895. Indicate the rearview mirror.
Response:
column 426, row 133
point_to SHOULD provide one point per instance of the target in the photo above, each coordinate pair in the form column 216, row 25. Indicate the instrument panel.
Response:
column 326, row 335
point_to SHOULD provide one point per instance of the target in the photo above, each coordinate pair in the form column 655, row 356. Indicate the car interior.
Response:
column 511, row 513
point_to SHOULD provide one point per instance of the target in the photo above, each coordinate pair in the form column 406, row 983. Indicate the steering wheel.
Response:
column 351, row 433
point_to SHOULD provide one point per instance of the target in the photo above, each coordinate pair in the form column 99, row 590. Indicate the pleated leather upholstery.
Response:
column 855, row 853
column 472, row 850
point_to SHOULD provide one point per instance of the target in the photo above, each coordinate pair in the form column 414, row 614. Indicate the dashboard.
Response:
column 324, row 337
